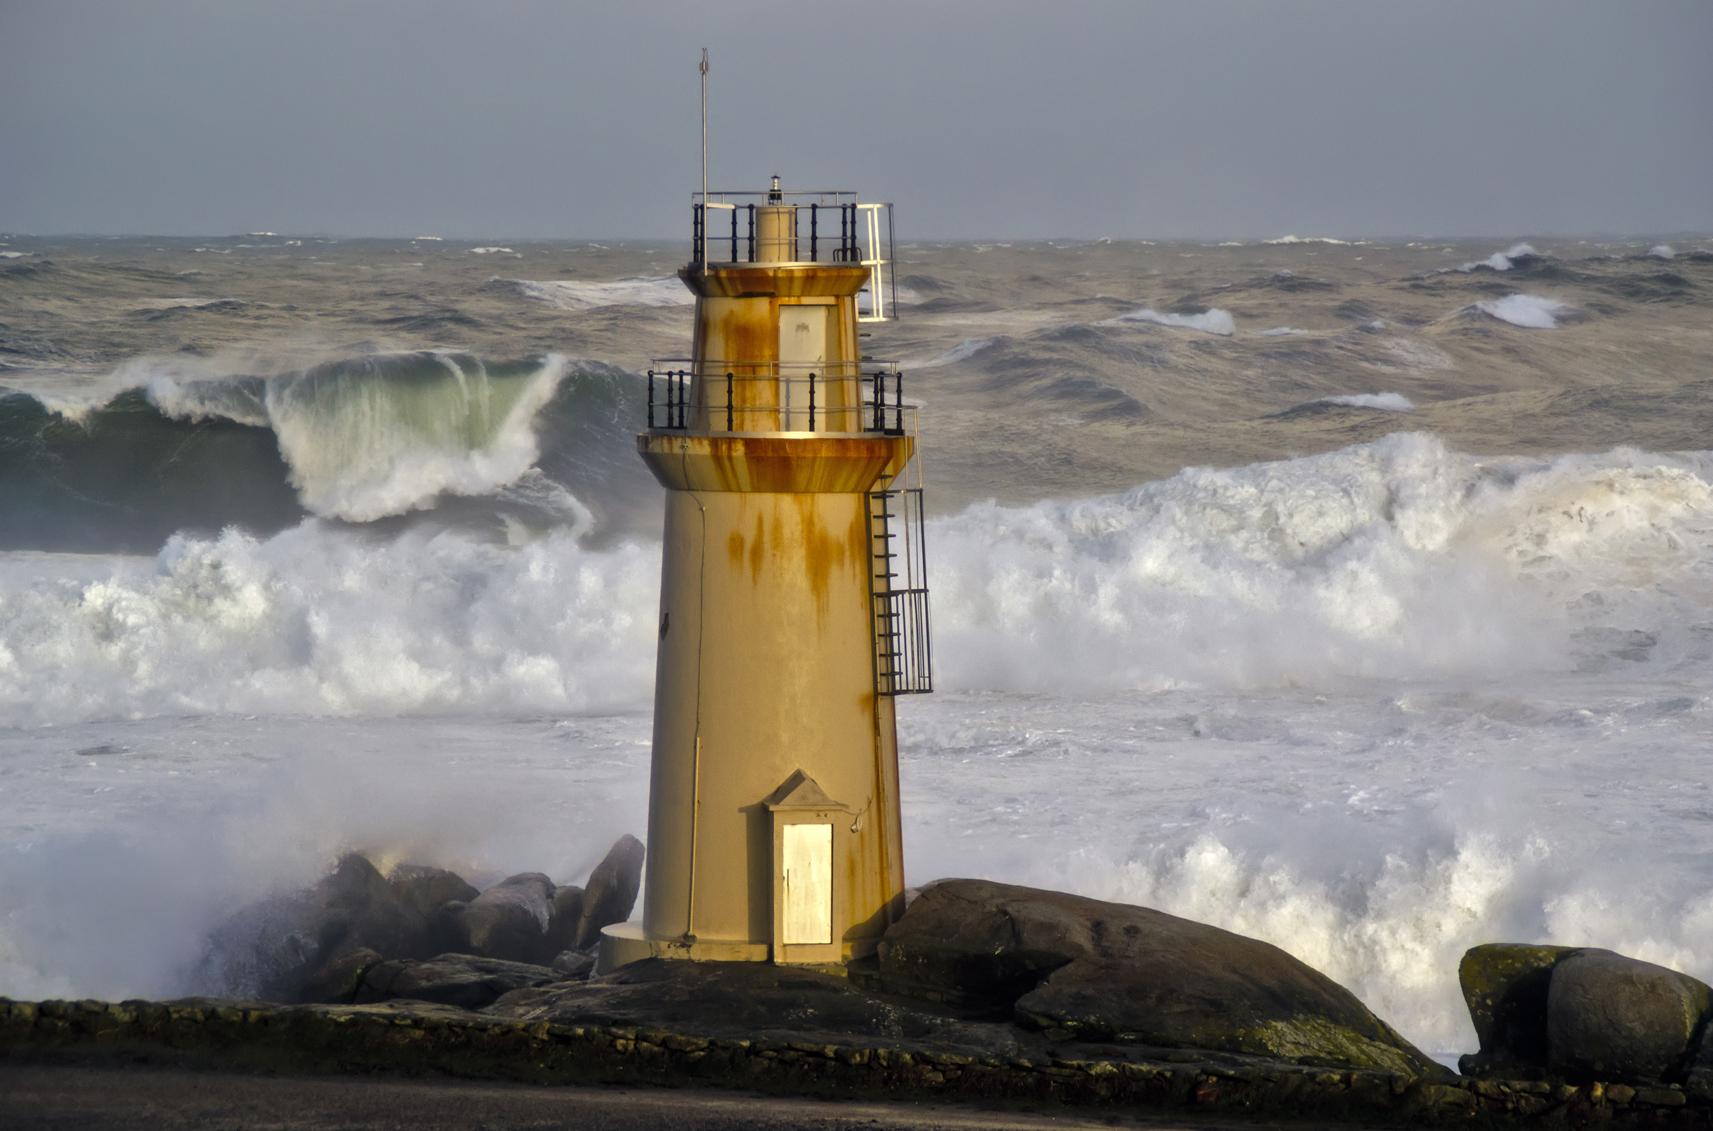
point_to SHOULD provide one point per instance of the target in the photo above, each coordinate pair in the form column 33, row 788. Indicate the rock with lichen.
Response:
column 1106, row 971
column 1584, row 1014
column 1505, row 987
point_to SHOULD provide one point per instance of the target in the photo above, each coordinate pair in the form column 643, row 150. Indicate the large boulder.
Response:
column 510, row 920
column 1505, row 986
column 1581, row 1012
column 1094, row 970
column 1615, row 1018
column 464, row 980
column 611, row 892
column 425, row 890
column 565, row 919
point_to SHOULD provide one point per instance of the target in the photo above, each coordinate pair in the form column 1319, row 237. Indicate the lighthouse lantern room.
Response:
column 793, row 603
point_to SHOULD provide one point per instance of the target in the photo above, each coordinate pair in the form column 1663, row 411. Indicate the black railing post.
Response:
column 751, row 232
column 651, row 400
column 696, row 233
column 879, row 400
column 814, row 215
column 729, row 427
column 811, row 402
column 734, row 235
column 898, row 402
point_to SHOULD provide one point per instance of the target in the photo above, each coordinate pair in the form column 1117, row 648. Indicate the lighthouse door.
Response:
column 808, row 883
column 802, row 356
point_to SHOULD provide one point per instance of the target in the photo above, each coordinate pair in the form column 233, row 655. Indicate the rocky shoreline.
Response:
column 981, row 992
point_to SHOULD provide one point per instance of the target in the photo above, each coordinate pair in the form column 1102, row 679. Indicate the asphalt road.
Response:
column 99, row 1098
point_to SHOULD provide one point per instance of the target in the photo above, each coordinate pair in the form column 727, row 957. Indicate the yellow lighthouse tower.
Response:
column 793, row 607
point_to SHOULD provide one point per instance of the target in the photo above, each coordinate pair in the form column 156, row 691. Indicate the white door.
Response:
column 802, row 351
column 808, row 899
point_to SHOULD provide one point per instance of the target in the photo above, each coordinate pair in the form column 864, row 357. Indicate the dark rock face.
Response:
column 745, row 1000
column 510, row 919
column 565, row 918
column 1583, row 1013
column 612, row 889
column 464, row 980
column 1698, row 1080
column 574, row 964
column 423, row 889
column 1618, row 1018
column 337, row 981
column 1505, row 985
column 1099, row 970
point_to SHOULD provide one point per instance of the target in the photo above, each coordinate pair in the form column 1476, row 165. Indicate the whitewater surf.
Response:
column 1352, row 637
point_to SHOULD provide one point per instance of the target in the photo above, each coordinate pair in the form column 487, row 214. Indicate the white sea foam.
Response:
column 492, row 251
column 1532, row 312
column 317, row 621
column 578, row 294
column 1386, row 402
column 1662, row 251
column 1282, row 332
column 1502, row 260
column 13, row 254
column 1210, row 321
column 1287, row 240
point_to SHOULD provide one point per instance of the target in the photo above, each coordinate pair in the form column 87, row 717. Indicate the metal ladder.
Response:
column 901, row 644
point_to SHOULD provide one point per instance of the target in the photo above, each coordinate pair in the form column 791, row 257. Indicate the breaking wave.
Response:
column 963, row 351
column 1210, row 321
column 1513, row 256
column 360, row 439
column 1395, row 559
column 1385, row 402
column 576, row 294
column 1532, row 312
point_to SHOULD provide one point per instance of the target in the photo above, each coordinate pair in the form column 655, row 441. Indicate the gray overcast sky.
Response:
column 1073, row 117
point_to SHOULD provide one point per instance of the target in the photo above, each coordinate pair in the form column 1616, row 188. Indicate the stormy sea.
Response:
column 1353, row 595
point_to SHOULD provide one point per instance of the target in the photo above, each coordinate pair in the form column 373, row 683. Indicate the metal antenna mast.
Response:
column 704, row 69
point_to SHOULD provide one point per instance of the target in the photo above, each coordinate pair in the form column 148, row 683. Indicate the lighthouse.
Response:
column 793, row 600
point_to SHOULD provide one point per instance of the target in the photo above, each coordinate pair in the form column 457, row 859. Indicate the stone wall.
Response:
column 429, row 1040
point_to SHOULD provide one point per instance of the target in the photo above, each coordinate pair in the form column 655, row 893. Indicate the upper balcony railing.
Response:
column 822, row 227
column 757, row 398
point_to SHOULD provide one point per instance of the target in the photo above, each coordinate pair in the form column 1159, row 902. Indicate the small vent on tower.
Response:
column 903, row 652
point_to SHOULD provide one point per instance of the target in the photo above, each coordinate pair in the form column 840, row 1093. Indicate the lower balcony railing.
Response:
column 845, row 398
